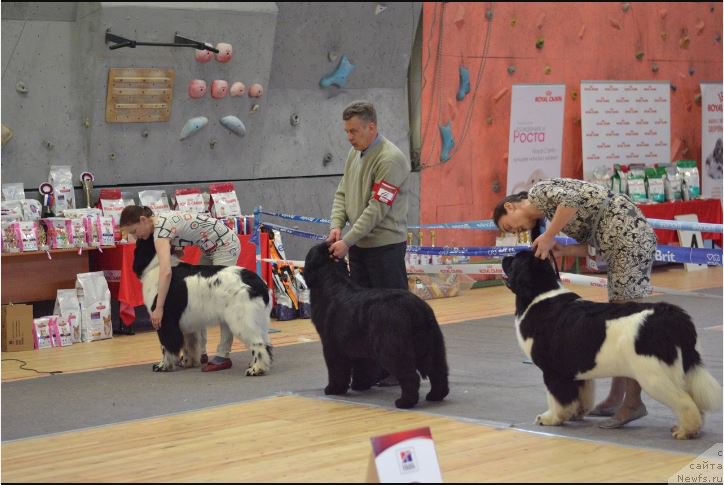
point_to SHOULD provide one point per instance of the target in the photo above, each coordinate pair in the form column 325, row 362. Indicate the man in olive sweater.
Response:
column 372, row 196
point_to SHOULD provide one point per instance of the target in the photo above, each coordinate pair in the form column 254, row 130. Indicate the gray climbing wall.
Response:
column 60, row 54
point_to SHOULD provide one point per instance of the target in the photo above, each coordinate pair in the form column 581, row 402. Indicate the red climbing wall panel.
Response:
column 581, row 41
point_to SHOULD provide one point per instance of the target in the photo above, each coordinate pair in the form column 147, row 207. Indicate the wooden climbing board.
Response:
column 139, row 95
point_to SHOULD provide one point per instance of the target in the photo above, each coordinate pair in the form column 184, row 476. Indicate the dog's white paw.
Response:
column 681, row 434
column 255, row 371
column 548, row 419
column 161, row 367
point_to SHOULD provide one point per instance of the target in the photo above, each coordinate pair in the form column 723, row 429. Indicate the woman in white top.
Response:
column 219, row 245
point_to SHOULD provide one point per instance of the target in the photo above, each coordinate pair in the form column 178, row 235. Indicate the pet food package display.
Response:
column 42, row 328
column 95, row 306
column 32, row 209
column 602, row 176
column 13, row 191
column 58, row 232
column 67, row 307
column 429, row 286
column 80, row 236
column 690, row 182
column 286, row 303
column 9, row 238
column 112, row 204
column 12, row 210
column 618, row 180
column 17, row 328
column 106, row 228
column 26, row 236
column 224, row 202
column 672, row 182
column 60, row 333
column 156, row 200
column 655, row 185
column 636, row 184
column 190, row 200
column 89, row 235
column 61, row 178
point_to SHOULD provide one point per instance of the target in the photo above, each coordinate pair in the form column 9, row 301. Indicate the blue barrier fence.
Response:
column 670, row 254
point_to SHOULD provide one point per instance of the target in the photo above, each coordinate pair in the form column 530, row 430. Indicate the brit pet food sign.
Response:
column 536, row 134
column 404, row 457
column 711, row 140
column 624, row 122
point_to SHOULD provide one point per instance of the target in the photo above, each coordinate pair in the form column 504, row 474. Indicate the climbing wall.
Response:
column 465, row 133
column 311, row 59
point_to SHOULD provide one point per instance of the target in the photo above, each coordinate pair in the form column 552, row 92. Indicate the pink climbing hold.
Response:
column 224, row 54
column 204, row 55
column 197, row 88
column 256, row 90
column 237, row 89
column 219, row 88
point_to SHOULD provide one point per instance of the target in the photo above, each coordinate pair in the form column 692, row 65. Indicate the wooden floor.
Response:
column 293, row 439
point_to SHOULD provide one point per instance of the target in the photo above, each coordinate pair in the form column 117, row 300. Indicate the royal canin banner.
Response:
column 624, row 122
column 536, row 134
column 711, row 140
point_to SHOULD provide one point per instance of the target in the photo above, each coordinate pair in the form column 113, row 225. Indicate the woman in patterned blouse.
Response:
column 601, row 221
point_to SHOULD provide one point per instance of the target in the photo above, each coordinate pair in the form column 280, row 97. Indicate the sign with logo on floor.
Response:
column 404, row 457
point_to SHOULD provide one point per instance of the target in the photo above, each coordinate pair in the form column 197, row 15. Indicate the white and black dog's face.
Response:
column 528, row 276
column 714, row 162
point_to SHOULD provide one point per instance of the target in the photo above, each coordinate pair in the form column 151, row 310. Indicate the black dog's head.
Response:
column 528, row 276
column 143, row 255
column 319, row 265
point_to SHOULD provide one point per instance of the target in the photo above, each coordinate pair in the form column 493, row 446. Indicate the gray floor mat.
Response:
column 488, row 379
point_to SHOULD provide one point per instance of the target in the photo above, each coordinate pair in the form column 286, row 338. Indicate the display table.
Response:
column 31, row 276
column 707, row 210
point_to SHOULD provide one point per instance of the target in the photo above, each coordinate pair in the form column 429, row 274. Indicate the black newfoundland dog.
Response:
column 200, row 296
column 574, row 341
column 364, row 328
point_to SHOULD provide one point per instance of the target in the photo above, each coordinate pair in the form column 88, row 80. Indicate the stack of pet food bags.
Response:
column 20, row 220
column 291, row 293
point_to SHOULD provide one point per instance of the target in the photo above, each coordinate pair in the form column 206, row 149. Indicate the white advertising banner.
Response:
column 711, row 140
column 624, row 122
column 536, row 134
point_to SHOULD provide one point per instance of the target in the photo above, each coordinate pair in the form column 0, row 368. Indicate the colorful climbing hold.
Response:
column 192, row 126
column 640, row 55
column 654, row 67
column 464, row 87
column 574, row 95
column 614, row 23
column 447, row 142
column 539, row 43
column 234, row 125
column 340, row 75
column 547, row 70
column 626, row 6
column 511, row 69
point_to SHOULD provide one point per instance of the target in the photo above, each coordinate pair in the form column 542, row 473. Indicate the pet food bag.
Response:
column 61, row 178
column 112, row 204
column 13, row 191
column 60, row 333
column 190, row 200
column 672, row 182
column 690, row 183
column 27, row 235
column 67, row 307
column 59, row 232
column 80, row 236
column 42, row 332
column 9, row 238
column 655, row 185
column 12, row 210
column 156, row 200
column 106, row 229
column 224, row 202
column 32, row 209
column 636, row 184
column 95, row 306
column 284, row 308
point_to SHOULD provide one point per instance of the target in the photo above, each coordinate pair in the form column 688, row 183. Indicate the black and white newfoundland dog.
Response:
column 363, row 329
column 574, row 341
column 201, row 296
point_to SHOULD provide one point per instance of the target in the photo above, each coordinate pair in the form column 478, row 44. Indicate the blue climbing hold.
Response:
column 339, row 76
column 234, row 125
column 464, row 83
column 193, row 126
column 447, row 142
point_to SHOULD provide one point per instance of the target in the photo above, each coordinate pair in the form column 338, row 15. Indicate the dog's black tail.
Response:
column 434, row 361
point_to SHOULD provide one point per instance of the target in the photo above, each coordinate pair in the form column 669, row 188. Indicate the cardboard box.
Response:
column 17, row 328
